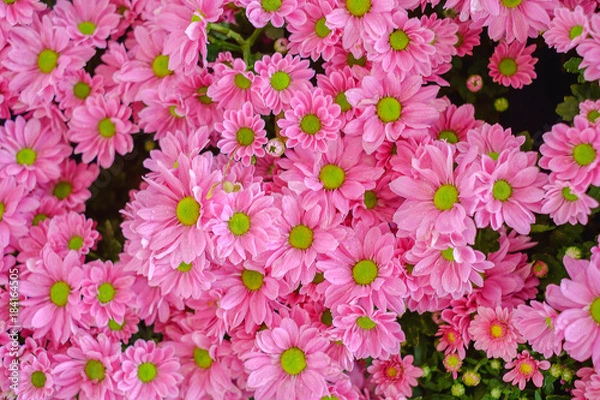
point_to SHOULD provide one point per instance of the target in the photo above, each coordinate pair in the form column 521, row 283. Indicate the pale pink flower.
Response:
column 31, row 153
column 494, row 332
column 536, row 322
column 74, row 88
column 87, row 23
column 36, row 376
column 567, row 29
column 378, row 204
column 261, row 12
column 185, row 281
column 313, row 38
column 176, row 143
column 165, row 111
column 149, row 372
column 589, row 49
column 395, row 377
column 234, row 87
column 112, row 60
column 525, row 368
column 20, row 12
column 565, row 203
column 512, row 64
column 590, row 110
column 487, row 140
column 71, row 231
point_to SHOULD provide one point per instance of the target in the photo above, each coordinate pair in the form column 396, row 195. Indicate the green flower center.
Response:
column 270, row 5
column 445, row 197
column 184, row 267
column 75, row 243
column 452, row 361
column 87, row 28
column 38, row 378
column 575, row 31
column 146, row 372
column 62, row 190
column 448, row 254
column 173, row 112
column 106, row 292
column 511, row 3
column 331, row 397
column 568, row 195
column 301, row 237
column 370, row 199
column 160, row 66
column 188, row 211
column 496, row 331
column 449, row 136
column 81, row 90
column 107, row 128
column 115, row 326
column 202, row 358
column 399, row 40
column 365, row 272
column 2, row 210
column 319, row 277
column 253, row 280
column 239, row 224
column 549, row 322
column 494, row 155
column 342, row 101
column 352, row 61
column 332, row 176
column 310, row 124
column 95, row 370
column 584, row 154
column 365, row 323
column 327, row 318
column 293, row 361
column 280, row 80
column 595, row 310
column 26, row 156
column 593, row 116
column 501, row 190
column 507, row 66
column 241, row 81
column 9, row 2
column 47, row 61
column 321, row 29
column 358, row 8
column 389, row 109
column 202, row 97
column 59, row 293
column 36, row 220
column 245, row 136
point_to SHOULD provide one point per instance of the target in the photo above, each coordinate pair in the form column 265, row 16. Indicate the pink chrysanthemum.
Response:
column 469, row 36
column 72, row 232
column 20, row 12
column 567, row 29
column 185, row 281
column 149, row 372
column 394, row 378
column 235, row 87
column 87, row 369
column 122, row 331
column 30, row 153
column 565, row 203
column 536, row 322
column 512, row 64
column 102, row 128
column 525, row 368
column 276, row 12
column 378, row 204
column 71, row 189
column 573, row 154
column 36, row 376
column 367, row 332
column 281, row 78
column 74, row 88
column 390, row 108
column 590, row 111
column 311, row 122
column 454, row 123
column 16, row 206
column 313, row 38
column 52, row 291
column 165, row 111
column 451, row 341
column 289, row 363
column 87, row 23
column 243, row 134
column 487, row 140
column 493, row 331
column 335, row 84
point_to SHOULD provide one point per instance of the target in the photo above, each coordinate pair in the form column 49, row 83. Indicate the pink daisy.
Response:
column 71, row 189
column 72, row 232
column 454, row 123
column 100, row 128
column 87, row 369
column 567, row 29
column 87, row 23
column 276, row 12
column 149, row 372
column 565, row 203
column 289, row 362
column 74, row 88
column 313, row 38
column 122, row 331
column 36, row 377
column 281, row 78
column 185, row 281
column 494, row 332
column 16, row 206
column 311, row 121
column 572, row 154
column 378, row 204
column 165, row 111
column 335, row 84
column 52, row 291
column 193, row 89
column 39, row 56
column 590, row 110
column 487, row 140
column 20, row 12
column 469, row 37
column 235, row 87
column 451, row 341
column 512, row 64
column 390, row 107
column 395, row 376
column 525, row 368
column 367, row 332
column 589, row 49
column 536, row 322
column 30, row 153
column 509, row 191
column 243, row 134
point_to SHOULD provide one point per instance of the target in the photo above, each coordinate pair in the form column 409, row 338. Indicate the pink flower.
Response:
column 36, row 376
column 87, row 23
column 235, row 87
column 165, row 111
column 88, row 368
column 536, row 322
column 451, row 341
column 487, row 140
column 52, row 291
column 590, row 110
column 15, row 209
column 494, row 332
column 335, row 84
column 565, row 203
column 313, row 38
column 454, row 123
column 567, row 29
column 243, row 134
column 122, row 331
column 469, row 36
column 30, row 153
column 21, row 12
column 71, row 188
column 261, row 12
column 311, row 122
column 74, row 88
column 525, row 368
column 149, row 372
column 512, row 64
column 185, row 281
column 378, row 204
column 394, row 377
column 289, row 362
column 72, row 232
column 102, row 128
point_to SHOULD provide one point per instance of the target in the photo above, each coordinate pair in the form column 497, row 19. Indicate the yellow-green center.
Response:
column 114, row 325
column 38, row 379
column 245, row 136
column 203, row 97
column 507, row 66
column 575, row 31
column 445, row 197
column 399, row 40
column 365, row 323
column 253, row 280
column 389, row 109
column 352, row 61
column 453, row 361
column 496, row 331
column 146, row 372
column 293, row 361
column 593, row 115
column 173, row 112
column 62, row 190
column 584, row 154
column 270, row 5
column 595, row 310
column 75, row 243
column 494, row 155
column 327, row 318
column 511, row 3
column 280, row 80
column 342, row 101
column 321, row 29
column 310, row 124
column 526, row 368
column 107, row 128
column 301, row 237
column 241, row 81
column 365, row 272
column 358, row 8
column 448, row 254
column 448, row 135
column 239, row 224
column 36, row 220
column 202, row 358
column 188, row 211
column 26, row 156
column 184, row 267
column 95, row 370
column 501, row 190
column 370, row 199
column 81, row 90
column 2, row 210
column 87, row 28
column 568, row 195
column 47, row 61
column 106, row 292
column 332, row 176
column 59, row 293
column 160, row 66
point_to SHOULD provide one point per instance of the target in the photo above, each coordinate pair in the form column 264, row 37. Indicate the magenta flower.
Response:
column 525, row 368
column 537, row 323
column 87, row 23
column 512, row 64
column 395, row 377
column 494, row 332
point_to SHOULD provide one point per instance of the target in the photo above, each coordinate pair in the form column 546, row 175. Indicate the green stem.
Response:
column 245, row 45
column 227, row 32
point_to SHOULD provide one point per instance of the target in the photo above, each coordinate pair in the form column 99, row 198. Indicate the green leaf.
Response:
column 528, row 143
column 538, row 396
column 568, row 109
column 486, row 241
column 273, row 33
column 586, row 91
column 536, row 228
column 573, row 65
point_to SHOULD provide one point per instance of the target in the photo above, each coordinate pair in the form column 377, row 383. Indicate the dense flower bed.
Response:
column 297, row 199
